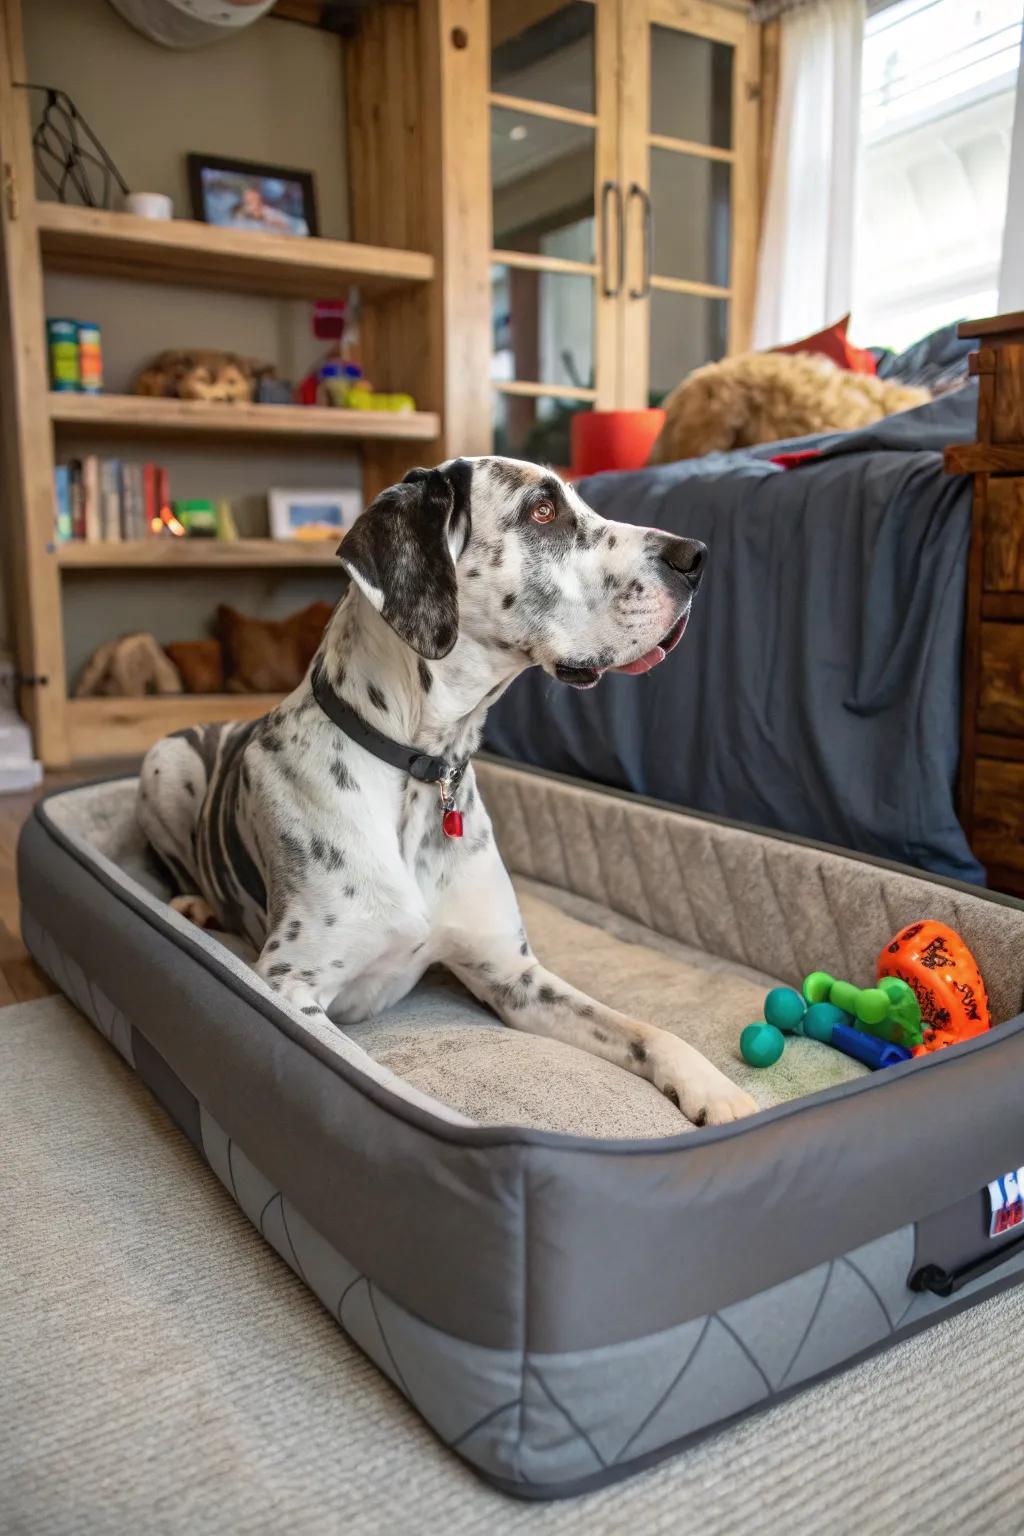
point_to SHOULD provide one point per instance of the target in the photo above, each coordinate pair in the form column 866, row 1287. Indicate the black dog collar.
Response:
column 418, row 765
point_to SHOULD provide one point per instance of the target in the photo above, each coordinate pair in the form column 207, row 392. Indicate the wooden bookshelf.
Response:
column 167, row 554
column 125, row 727
column 146, row 416
column 102, row 244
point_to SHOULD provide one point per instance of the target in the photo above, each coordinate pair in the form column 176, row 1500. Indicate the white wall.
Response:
column 273, row 94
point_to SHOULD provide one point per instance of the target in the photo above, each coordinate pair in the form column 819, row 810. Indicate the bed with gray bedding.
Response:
column 565, row 1278
column 820, row 693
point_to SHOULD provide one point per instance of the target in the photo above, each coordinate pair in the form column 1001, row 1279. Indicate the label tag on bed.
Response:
column 1006, row 1202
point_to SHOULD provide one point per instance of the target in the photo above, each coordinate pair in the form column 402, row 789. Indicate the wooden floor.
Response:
column 20, row 978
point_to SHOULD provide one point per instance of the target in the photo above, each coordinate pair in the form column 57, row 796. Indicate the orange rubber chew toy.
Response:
column 945, row 978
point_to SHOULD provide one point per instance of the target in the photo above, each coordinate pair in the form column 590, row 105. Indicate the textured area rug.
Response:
column 162, row 1371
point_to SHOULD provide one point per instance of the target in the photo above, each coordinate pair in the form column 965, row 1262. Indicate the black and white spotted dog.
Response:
column 328, row 832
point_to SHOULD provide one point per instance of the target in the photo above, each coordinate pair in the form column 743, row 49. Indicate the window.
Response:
column 938, row 89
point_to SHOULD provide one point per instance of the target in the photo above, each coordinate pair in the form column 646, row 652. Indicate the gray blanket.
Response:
column 817, row 689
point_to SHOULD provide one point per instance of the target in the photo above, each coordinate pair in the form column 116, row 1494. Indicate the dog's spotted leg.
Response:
column 526, row 996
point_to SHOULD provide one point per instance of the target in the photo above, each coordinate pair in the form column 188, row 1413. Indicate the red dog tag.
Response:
column 451, row 823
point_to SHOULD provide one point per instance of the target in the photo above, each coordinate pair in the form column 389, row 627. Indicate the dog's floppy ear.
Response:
column 399, row 554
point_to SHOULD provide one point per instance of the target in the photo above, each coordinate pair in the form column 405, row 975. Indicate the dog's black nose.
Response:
column 687, row 556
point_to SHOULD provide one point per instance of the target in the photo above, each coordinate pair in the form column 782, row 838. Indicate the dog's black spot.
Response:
column 326, row 853
column 312, row 1009
column 338, row 965
column 340, row 774
column 308, row 975
column 189, row 788
column 377, row 699
column 672, row 1096
column 330, row 919
column 508, row 600
column 273, row 945
column 270, row 741
column 282, row 968
column 524, row 948
column 294, row 737
column 504, row 645
column 426, row 676
column 156, row 772
column 610, row 581
column 612, row 541
column 584, row 1010
column 496, row 558
column 472, row 573
column 600, row 1036
column 548, row 994
column 702, row 1118
column 350, row 891
column 293, row 930
column 293, row 848
column 638, row 1050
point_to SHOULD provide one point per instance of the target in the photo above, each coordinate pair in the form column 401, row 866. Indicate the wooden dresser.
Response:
column 991, row 790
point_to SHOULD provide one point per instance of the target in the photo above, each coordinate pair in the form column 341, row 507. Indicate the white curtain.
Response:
column 1011, row 272
column 805, row 266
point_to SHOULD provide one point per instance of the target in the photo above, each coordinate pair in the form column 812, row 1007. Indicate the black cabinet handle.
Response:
column 637, row 191
column 612, row 192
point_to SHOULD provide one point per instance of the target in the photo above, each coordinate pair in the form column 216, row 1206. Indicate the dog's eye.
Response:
column 543, row 512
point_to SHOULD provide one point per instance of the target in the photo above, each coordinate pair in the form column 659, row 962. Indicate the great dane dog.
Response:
column 330, row 832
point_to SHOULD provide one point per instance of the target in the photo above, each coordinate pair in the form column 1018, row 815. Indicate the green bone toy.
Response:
column 889, row 1011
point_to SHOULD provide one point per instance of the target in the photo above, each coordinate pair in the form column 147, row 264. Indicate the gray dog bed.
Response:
column 563, row 1277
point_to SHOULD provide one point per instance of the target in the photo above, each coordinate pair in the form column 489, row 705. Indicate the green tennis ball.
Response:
column 785, row 1009
column 761, row 1045
column 872, row 1006
column 817, row 986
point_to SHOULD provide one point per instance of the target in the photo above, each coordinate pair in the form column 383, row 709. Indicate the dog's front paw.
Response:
column 705, row 1095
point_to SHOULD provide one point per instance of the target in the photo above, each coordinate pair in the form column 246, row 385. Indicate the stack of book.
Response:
column 105, row 500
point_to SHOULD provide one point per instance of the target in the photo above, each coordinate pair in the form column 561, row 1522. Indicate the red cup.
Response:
column 613, row 439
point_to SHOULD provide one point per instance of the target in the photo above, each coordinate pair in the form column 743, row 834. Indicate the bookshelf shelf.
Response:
column 142, row 416
column 125, row 727
column 94, row 242
column 165, row 554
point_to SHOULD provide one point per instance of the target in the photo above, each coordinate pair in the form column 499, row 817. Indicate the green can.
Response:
column 62, row 342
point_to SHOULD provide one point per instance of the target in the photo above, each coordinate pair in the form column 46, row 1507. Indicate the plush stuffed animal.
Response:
column 130, row 667
column 203, row 375
column 269, row 655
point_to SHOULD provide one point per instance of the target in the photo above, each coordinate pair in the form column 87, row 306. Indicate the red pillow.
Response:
column 833, row 343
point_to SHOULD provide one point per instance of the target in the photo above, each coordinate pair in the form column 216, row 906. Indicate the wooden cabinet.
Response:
column 623, row 204
column 991, row 796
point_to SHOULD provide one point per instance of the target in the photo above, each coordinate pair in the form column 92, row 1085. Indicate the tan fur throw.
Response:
column 766, row 397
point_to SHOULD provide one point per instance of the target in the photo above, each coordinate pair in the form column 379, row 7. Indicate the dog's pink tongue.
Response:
column 643, row 663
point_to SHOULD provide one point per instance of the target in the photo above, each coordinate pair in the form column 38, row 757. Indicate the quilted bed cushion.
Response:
column 444, row 1043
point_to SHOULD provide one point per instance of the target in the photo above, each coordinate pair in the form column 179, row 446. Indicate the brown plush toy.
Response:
column 201, row 664
column 203, row 374
column 129, row 667
column 269, row 655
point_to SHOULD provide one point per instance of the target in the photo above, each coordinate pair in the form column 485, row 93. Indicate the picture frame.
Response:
column 312, row 515
column 245, row 195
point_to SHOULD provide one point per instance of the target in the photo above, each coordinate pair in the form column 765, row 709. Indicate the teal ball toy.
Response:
column 785, row 1008
column 820, row 1019
column 761, row 1045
